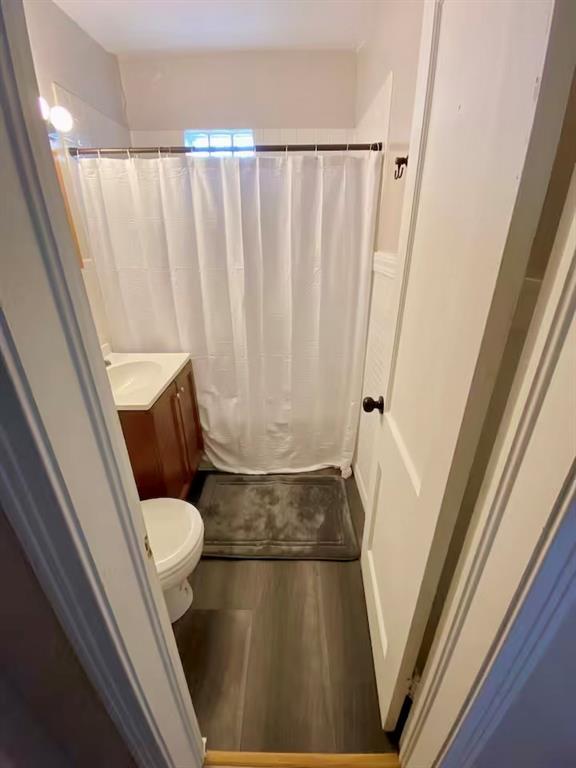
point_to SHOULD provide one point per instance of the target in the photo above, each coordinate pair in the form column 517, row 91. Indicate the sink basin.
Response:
column 129, row 379
column 138, row 379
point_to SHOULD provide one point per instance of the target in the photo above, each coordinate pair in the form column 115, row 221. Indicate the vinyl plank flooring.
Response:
column 214, row 647
column 287, row 706
column 352, row 680
column 278, row 657
column 230, row 584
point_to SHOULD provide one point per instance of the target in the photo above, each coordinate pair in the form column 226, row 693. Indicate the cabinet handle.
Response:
column 178, row 395
column 181, row 389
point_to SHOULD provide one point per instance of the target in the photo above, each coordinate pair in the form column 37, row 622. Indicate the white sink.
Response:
column 137, row 380
column 129, row 378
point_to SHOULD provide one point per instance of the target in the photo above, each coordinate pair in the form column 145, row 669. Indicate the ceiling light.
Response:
column 61, row 119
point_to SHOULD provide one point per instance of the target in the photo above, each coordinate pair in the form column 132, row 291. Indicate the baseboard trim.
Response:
column 300, row 760
column 362, row 490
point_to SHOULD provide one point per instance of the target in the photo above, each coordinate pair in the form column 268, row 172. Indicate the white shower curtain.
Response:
column 260, row 268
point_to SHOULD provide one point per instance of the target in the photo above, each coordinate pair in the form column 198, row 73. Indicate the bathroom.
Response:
column 241, row 181
column 187, row 348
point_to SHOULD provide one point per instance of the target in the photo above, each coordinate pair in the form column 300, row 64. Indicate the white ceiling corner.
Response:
column 129, row 26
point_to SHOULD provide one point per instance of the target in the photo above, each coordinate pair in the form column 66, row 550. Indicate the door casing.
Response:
column 85, row 538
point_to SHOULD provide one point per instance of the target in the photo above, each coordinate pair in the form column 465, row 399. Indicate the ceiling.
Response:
column 181, row 25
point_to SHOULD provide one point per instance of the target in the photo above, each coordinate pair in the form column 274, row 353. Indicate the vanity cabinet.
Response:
column 165, row 442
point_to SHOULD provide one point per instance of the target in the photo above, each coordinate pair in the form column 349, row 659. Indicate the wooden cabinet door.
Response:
column 140, row 437
column 170, row 443
column 190, row 418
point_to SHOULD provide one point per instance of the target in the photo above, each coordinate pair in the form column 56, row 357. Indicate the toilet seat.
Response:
column 176, row 534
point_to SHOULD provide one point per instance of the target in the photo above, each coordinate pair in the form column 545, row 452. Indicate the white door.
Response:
column 477, row 92
column 516, row 582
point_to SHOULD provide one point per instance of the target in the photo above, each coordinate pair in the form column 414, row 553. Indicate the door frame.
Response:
column 482, row 655
column 78, row 519
column 152, row 710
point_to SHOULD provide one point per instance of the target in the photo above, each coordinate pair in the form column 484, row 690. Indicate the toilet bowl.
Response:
column 176, row 534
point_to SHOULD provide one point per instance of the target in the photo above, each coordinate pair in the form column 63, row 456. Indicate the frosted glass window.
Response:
column 221, row 143
column 220, row 140
column 244, row 140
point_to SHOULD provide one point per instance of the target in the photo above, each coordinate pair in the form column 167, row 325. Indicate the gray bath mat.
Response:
column 278, row 517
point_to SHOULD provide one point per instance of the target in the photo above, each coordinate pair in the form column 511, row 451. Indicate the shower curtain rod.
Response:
column 375, row 146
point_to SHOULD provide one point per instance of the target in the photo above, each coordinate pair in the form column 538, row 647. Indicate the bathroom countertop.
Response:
column 138, row 379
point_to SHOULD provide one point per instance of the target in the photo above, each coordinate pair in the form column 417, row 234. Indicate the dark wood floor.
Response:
column 277, row 655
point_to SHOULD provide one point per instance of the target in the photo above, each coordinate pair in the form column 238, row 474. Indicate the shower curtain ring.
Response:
column 99, row 157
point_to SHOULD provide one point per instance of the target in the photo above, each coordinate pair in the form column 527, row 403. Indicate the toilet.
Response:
column 176, row 534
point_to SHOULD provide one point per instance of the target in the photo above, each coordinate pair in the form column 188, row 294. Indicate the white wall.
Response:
column 261, row 136
column 391, row 48
column 241, row 89
column 66, row 55
column 75, row 71
column 92, row 128
column 385, row 85
column 385, row 81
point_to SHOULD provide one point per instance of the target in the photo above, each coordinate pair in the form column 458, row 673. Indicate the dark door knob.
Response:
column 369, row 404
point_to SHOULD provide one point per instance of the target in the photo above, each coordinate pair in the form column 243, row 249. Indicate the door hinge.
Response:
column 413, row 684
column 147, row 546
